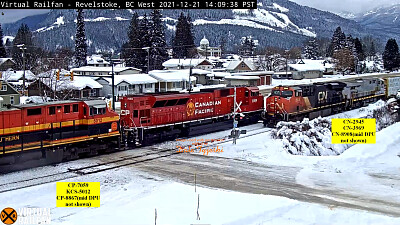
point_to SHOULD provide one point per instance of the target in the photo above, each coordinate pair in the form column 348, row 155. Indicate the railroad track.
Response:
column 149, row 155
column 86, row 170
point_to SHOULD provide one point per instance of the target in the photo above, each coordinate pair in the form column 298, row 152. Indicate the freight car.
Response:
column 157, row 117
column 56, row 131
column 320, row 99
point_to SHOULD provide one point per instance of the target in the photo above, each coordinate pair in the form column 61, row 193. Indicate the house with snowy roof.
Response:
column 104, row 71
column 134, row 84
column 307, row 69
column 6, row 63
column 238, row 66
column 97, row 61
column 11, row 75
column 8, row 95
column 174, row 64
column 15, row 78
column 172, row 80
column 81, row 87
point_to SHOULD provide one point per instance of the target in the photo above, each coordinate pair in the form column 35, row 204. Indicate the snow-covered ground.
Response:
column 129, row 197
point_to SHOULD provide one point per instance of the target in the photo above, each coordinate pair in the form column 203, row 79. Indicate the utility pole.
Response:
column 23, row 48
column 148, row 58
column 234, row 117
column 190, row 74
column 112, row 83
column 287, row 55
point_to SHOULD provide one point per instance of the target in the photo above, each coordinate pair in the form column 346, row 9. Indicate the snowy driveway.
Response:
column 249, row 177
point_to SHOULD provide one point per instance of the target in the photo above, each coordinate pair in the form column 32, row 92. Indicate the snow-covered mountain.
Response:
column 280, row 23
column 382, row 20
column 347, row 15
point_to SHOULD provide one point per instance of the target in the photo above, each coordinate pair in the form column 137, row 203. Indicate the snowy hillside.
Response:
column 382, row 19
column 280, row 23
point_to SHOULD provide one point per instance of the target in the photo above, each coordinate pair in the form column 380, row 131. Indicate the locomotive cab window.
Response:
column 52, row 110
column 246, row 94
column 253, row 94
column 97, row 110
column 34, row 112
column 287, row 94
column 67, row 108
column 276, row 93
column 75, row 108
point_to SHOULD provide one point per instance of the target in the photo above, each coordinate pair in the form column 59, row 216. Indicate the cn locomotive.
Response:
column 52, row 132
column 320, row 99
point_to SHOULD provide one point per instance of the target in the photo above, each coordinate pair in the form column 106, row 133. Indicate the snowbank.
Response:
column 314, row 137
column 308, row 137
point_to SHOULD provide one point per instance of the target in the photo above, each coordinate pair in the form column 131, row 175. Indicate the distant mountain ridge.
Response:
column 279, row 23
column 382, row 20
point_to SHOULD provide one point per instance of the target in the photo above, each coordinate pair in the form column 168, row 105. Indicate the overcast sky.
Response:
column 354, row 6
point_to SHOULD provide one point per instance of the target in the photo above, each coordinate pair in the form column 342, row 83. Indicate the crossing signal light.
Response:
column 58, row 74
column 72, row 75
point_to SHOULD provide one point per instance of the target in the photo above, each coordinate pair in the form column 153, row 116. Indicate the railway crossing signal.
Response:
column 72, row 75
column 58, row 74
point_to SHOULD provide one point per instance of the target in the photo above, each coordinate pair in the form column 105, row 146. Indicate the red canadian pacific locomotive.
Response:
column 157, row 117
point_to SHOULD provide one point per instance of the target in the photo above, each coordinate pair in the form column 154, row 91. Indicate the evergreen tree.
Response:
column 247, row 46
column 24, row 36
column 144, row 39
column 359, row 49
column 3, row 52
column 338, row 41
column 391, row 56
column 183, row 42
column 222, row 45
column 158, row 50
column 372, row 50
column 80, row 41
column 132, row 50
column 8, row 47
column 311, row 49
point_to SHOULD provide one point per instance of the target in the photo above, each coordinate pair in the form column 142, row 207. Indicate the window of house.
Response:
column 93, row 93
column 4, row 87
column 67, row 108
column 75, row 108
column 148, row 85
column 131, row 86
column 33, row 112
column 52, row 110
column 12, row 100
column 243, row 65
